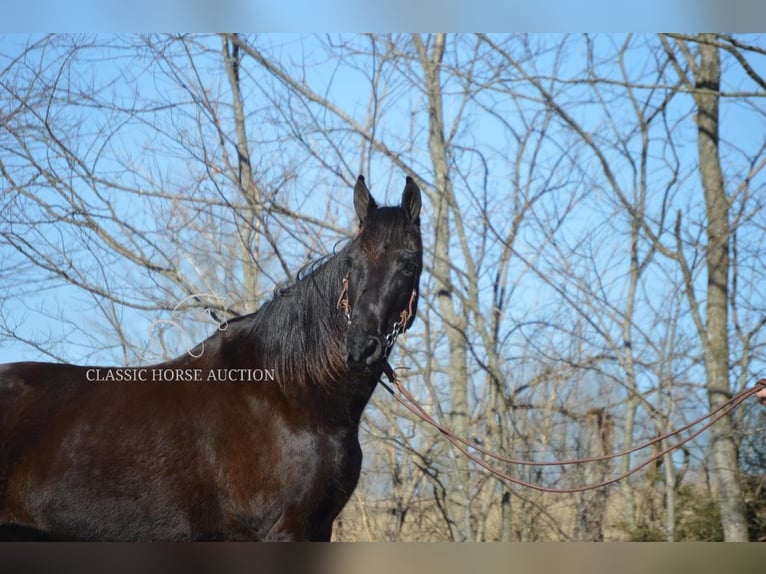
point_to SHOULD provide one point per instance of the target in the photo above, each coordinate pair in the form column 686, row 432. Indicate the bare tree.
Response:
column 572, row 263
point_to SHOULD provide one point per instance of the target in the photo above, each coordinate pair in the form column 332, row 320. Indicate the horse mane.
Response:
column 389, row 224
column 297, row 334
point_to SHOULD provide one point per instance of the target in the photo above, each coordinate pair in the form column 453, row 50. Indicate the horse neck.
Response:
column 301, row 332
column 294, row 342
column 321, row 377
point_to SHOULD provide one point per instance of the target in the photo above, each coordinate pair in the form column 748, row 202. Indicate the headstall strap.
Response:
column 343, row 301
column 409, row 313
column 401, row 325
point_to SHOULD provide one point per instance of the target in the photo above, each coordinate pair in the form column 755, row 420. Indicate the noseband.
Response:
column 399, row 327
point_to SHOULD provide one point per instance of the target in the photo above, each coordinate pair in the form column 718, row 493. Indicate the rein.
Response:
column 405, row 398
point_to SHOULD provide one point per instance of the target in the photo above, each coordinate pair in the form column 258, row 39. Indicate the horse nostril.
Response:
column 366, row 352
column 372, row 350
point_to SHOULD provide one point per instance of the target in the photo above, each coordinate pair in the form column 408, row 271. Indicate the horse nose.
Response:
column 365, row 354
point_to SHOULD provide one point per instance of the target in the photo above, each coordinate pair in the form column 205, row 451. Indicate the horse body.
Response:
column 152, row 457
column 183, row 460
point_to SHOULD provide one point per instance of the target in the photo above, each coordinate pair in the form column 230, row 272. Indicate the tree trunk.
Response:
column 723, row 445
column 249, row 226
column 455, row 324
column 591, row 509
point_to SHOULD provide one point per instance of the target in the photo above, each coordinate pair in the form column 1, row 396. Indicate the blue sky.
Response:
column 344, row 15
column 741, row 127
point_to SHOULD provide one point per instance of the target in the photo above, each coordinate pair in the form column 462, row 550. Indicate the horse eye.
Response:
column 410, row 268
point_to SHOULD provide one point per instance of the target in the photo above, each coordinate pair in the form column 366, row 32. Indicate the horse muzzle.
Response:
column 363, row 352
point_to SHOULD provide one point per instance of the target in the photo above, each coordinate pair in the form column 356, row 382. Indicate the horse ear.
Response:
column 411, row 199
column 364, row 203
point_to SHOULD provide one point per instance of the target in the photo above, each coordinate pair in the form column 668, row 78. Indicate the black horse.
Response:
column 253, row 435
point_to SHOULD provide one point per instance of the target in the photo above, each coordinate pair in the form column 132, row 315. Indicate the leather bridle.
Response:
column 399, row 327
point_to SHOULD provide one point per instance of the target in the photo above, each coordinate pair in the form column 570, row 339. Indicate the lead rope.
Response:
column 411, row 404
